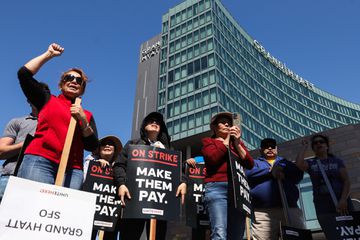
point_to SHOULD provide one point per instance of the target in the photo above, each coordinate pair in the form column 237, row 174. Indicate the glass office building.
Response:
column 208, row 64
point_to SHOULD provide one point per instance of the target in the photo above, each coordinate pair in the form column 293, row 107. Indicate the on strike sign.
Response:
column 153, row 175
column 196, row 215
column 33, row 210
column 101, row 181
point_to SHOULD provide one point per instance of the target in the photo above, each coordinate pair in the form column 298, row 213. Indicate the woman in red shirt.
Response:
column 226, row 222
column 42, row 156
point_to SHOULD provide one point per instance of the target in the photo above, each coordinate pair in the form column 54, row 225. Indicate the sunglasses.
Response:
column 269, row 146
column 70, row 78
column 150, row 121
column 224, row 121
column 110, row 143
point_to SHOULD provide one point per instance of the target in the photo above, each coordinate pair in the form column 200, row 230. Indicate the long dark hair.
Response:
column 326, row 139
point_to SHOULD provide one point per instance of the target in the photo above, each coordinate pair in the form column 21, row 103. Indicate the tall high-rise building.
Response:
column 203, row 62
column 208, row 64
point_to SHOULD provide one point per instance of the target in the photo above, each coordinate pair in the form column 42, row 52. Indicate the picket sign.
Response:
column 288, row 232
column 65, row 155
column 247, row 219
column 284, row 203
column 344, row 227
column 66, row 150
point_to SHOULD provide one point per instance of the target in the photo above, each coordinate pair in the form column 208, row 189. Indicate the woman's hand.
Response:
column 191, row 162
column 103, row 163
column 78, row 113
column 235, row 132
column 123, row 192
column 342, row 207
column 55, row 50
column 181, row 190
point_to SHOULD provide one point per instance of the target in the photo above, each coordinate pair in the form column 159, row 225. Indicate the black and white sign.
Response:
column 239, row 189
column 344, row 227
column 153, row 175
column 100, row 181
column 291, row 233
column 196, row 215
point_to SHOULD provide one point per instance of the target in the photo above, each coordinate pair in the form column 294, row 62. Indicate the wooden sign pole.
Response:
column 248, row 225
column 101, row 235
column 152, row 229
column 66, row 150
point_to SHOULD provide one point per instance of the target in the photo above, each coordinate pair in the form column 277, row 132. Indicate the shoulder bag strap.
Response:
column 327, row 182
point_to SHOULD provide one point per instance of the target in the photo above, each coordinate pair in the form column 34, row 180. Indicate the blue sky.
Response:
column 319, row 40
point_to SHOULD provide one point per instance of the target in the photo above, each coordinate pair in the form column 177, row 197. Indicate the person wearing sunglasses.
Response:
column 226, row 222
column 105, row 155
column 42, row 156
column 335, row 171
column 153, row 132
column 265, row 194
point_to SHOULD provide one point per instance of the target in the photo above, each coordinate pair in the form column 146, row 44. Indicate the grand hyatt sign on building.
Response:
column 282, row 66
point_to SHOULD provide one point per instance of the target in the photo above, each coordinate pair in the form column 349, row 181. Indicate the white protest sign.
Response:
column 33, row 210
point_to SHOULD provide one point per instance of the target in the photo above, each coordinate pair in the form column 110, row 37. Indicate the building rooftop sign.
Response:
column 281, row 66
column 150, row 51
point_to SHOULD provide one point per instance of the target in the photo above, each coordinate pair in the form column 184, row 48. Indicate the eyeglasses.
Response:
column 70, row 78
column 318, row 141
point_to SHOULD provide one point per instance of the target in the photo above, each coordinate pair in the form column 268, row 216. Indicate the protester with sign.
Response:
column 266, row 198
column 107, row 152
column 337, row 175
column 225, row 221
column 105, row 155
column 153, row 132
column 43, row 155
column 11, row 143
column 196, row 215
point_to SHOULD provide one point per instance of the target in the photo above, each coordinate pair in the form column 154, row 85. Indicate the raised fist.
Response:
column 55, row 49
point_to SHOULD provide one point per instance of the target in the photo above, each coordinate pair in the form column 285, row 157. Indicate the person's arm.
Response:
column 214, row 151
column 342, row 206
column 36, row 63
column 90, row 135
column 119, row 170
column 259, row 173
column 34, row 91
column 300, row 161
column 8, row 149
column 235, row 134
column 291, row 172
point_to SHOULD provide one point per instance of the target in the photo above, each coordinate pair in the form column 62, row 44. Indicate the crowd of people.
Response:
column 267, row 175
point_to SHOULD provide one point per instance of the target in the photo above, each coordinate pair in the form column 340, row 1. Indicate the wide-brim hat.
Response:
column 227, row 115
column 115, row 140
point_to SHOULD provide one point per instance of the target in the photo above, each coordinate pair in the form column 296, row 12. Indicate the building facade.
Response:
column 208, row 64
column 147, row 83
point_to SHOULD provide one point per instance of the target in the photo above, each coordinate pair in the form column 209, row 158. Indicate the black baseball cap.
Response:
column 268, row 142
